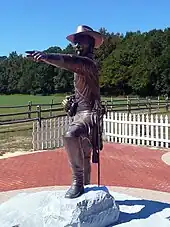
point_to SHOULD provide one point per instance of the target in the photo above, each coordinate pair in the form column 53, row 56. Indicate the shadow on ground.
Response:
column 149, row 207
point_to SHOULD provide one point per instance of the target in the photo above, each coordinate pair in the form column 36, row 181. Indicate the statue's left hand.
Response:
column 36, row 55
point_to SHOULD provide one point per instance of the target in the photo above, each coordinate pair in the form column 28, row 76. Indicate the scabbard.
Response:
column 95, row 141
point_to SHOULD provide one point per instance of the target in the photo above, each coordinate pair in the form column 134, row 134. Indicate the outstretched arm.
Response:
column 69, row 62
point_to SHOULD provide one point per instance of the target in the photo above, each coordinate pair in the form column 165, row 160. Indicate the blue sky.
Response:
column 39, row 24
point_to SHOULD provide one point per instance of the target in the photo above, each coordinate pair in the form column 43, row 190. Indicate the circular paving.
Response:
column 136, row 176
column 121, row 165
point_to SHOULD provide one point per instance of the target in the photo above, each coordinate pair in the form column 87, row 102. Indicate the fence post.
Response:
column 111, row 100
column 106, row 104
column 158, row 103
column 138, row 102
column 39, row 115
column 127, row 98
column 29, row 109
column 128, row 105
column 51, row 106
column 167, row 104
column 111, row 103
column 149, row 106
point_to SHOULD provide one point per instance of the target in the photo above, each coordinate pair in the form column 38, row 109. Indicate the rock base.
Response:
column 95, row 208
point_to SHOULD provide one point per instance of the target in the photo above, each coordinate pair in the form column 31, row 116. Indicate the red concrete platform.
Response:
column 121, row 165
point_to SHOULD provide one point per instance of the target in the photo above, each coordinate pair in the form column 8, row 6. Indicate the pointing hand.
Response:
column 36, row 55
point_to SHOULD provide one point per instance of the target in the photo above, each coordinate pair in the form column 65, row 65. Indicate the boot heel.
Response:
column 74, row 192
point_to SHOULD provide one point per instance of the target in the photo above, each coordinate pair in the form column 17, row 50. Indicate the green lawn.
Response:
column 12, row 100
column 16, row 100
column 119, row 103
column 18, row 137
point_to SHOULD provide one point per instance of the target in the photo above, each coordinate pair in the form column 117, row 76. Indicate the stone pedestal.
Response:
column 95, row 208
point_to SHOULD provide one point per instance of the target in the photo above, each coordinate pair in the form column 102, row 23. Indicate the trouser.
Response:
column 78, row 146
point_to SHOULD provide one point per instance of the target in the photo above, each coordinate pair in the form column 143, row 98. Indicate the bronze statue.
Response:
column 82, row 105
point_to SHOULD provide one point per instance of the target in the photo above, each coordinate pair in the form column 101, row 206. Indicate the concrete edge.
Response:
column 166, row 158
column 8, row 155
column 136, row 192
column 21, row 153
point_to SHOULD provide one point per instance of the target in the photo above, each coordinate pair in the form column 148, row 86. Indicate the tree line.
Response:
column 134, row 63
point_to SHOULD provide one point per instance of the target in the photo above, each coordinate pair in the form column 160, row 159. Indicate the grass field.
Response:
column 19, row 100
column 16, row 100
column 18, row 137
column 23, row 100
column 12, row 100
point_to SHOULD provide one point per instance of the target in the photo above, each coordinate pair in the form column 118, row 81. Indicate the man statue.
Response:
column 81, row 106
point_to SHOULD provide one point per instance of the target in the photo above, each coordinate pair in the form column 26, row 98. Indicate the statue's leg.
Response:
column 73, row 146
column 86, row 145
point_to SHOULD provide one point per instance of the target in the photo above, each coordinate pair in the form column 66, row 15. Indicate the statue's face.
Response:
column 83, row 44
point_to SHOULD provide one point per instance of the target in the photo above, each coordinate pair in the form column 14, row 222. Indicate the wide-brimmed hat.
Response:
column 86, row 30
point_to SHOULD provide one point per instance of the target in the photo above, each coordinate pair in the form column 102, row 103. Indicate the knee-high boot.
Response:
column 87, row 158
column 76, row 161
column 87, row 171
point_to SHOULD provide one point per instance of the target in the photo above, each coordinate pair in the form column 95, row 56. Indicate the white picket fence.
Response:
column 50, row 134
column 139, row 129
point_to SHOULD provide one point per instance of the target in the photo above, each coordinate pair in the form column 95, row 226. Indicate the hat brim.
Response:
column 96, row 35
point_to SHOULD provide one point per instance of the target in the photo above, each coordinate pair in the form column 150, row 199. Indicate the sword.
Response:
column 97, row 140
